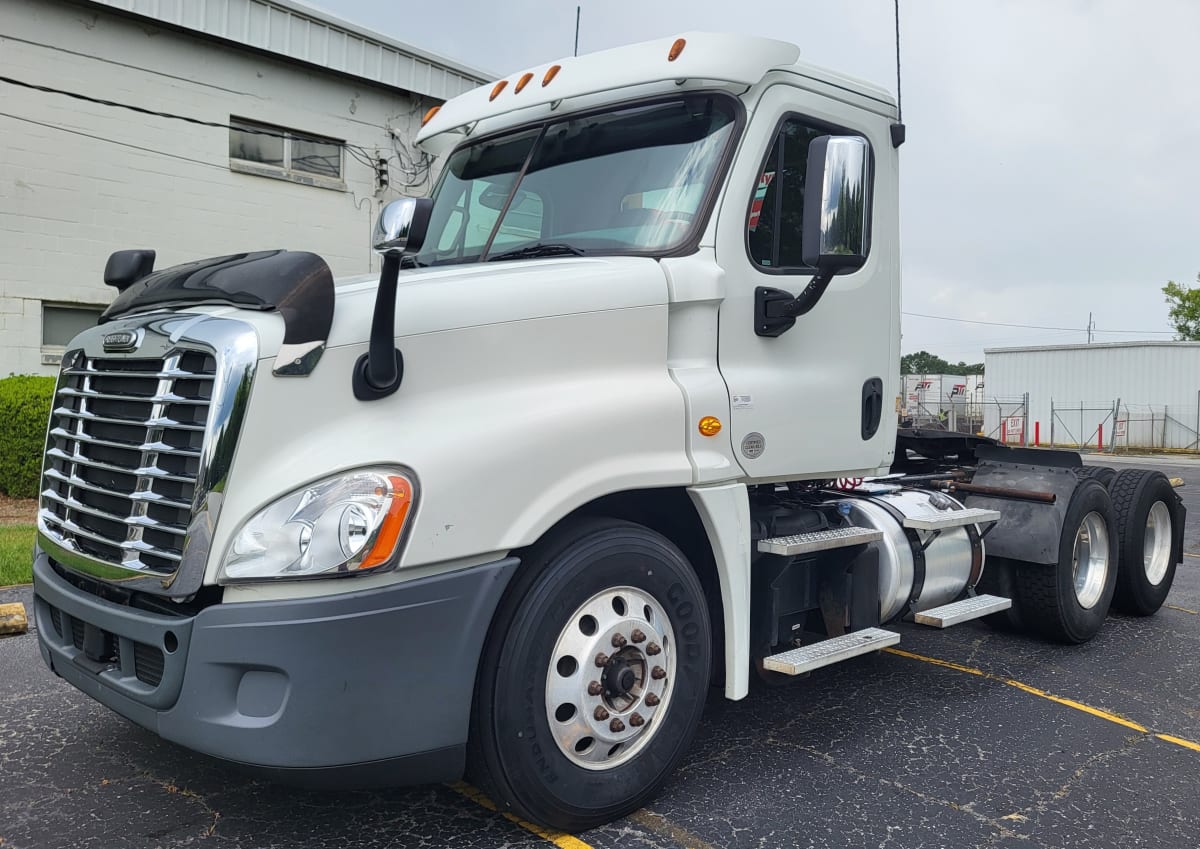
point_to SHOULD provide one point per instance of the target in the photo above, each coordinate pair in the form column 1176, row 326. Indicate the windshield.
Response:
column 633, row 180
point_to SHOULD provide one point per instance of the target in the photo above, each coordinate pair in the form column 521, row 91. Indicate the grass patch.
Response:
column 16, row 554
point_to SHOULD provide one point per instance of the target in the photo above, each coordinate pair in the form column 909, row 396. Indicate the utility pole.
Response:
column 1091, row 327
column 577, row 8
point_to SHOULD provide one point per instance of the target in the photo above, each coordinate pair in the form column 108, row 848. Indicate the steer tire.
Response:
column 540, row 745
column 1051, row 602
column 1144, row 576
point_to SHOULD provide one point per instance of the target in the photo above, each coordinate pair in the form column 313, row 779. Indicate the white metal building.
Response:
column 1134, row 394
column 304, row 106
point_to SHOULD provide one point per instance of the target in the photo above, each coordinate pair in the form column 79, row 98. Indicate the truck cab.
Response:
column 593, row 441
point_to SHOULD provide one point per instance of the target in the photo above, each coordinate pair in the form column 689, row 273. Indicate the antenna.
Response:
column 897, row 128
column 577, row 29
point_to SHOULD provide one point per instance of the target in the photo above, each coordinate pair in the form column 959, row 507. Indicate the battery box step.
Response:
column 963, row 611
column 827, row 652
column 818, row 541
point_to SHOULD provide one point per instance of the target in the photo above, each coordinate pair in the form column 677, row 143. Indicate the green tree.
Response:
column 1184, row 312
column 923, row 362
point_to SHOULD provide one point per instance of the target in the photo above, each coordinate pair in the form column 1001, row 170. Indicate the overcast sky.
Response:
column 1052, row 166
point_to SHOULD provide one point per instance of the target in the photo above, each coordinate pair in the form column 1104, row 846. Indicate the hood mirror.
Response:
column 402, row 226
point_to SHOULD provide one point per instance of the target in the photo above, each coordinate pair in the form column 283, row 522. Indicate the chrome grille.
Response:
column 123, row 454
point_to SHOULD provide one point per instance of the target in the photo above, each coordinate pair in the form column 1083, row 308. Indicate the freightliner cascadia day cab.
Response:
column 590, row 444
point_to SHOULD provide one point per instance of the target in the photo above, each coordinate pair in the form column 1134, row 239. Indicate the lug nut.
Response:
column 594, row 688
column 601, row 714
column 652, row 699
column 616, row 726
column 618, row 641
column 658, row 673
column 602, row 659
column 637, row 636
column 636, row 720
column 652, row 649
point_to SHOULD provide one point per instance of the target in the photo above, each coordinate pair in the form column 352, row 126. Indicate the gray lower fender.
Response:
column 1028, row 530
column 369, row 680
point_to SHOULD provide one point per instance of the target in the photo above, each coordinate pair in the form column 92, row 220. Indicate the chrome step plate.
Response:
column 826, row 652
column 936, row 520
column 963, row 611
column 818, row 541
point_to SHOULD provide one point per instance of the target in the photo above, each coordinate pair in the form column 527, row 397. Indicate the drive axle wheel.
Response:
column 1149, row 524
column 1069, row 600
column 593, row 678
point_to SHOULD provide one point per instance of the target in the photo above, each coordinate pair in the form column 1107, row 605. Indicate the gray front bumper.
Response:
column 381, row 678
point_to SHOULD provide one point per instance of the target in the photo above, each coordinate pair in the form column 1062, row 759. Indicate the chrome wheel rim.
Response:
column 610, row 678
column 1156, row 543
column 1090, row 560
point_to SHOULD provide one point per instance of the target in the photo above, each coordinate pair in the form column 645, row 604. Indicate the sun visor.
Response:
column 296, row 284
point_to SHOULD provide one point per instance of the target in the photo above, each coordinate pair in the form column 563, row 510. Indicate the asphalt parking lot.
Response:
column 963, row 738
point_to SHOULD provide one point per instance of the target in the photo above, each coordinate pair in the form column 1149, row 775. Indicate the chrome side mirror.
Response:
column 402, row 225
column 837, row 204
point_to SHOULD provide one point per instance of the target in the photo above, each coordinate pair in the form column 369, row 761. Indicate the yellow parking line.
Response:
column 1034, row 691
column 559, row 838
column 663, row 827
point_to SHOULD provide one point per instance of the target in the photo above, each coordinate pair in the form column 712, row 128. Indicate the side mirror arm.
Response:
column 775, row 311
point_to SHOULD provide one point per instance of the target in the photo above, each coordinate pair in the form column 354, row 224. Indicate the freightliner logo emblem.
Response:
column 120, row 340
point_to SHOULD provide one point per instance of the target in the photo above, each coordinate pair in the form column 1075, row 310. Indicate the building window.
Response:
column 61, row 323
column 271, row 151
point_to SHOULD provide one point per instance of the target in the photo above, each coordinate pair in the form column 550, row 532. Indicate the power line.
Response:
column 1029, row 326
column 114, row 141
column 358, row 152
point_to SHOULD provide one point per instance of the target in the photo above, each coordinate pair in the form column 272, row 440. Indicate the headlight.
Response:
column 350, row 523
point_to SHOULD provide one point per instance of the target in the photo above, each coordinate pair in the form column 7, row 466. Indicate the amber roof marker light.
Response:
column 429, row 115
column 676, row 49
column 551, row 73
column 524, row 81
column 499, row 87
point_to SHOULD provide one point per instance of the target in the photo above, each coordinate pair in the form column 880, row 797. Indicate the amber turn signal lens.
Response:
column 521, row 83
column 676, row 49
column 499, row 87
column 393, row 524
column 429, row 115
column 710, row 426
column 551, row 73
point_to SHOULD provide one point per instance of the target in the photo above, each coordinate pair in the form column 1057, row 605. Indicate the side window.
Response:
column 774, row 223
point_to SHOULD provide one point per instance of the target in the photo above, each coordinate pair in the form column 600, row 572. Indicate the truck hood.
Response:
column 430, row 300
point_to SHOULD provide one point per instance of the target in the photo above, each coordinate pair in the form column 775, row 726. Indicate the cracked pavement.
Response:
column 884, row 751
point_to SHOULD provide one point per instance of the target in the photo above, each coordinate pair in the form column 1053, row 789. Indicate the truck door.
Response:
column 818, row 400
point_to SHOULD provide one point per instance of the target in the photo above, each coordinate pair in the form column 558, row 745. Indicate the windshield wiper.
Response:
column 540, row 249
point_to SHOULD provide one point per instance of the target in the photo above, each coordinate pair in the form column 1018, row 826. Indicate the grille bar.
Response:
column 157, row 447
column 161, row 421
column 167, row 398
column 123, row 456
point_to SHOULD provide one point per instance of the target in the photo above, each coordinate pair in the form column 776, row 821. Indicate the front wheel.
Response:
column 594, row 676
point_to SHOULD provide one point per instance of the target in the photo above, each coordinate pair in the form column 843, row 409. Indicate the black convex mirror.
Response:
column 401, row 229
column 837, row 204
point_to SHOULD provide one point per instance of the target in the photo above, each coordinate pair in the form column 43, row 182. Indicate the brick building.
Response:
column 313, row 122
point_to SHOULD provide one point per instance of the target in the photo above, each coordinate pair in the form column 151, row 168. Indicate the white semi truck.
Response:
column 590, row 444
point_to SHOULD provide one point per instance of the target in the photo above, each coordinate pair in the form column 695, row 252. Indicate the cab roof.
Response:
column 691, row 60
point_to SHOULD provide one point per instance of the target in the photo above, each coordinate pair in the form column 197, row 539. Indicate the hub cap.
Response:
column 610, row 677
column 1090, row 560
column 1156, row 544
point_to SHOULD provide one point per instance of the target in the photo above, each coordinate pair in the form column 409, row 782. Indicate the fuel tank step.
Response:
column 936, row 520
column 827, row 652
column 820, row 540
column 963, row 611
